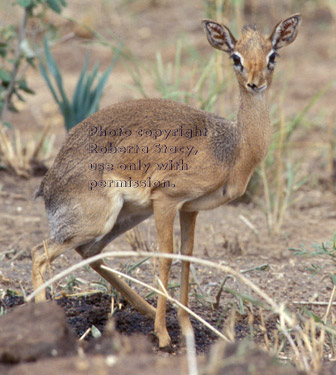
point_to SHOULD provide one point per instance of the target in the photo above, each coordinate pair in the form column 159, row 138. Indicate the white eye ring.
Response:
column 238, row 61
column 270, row 59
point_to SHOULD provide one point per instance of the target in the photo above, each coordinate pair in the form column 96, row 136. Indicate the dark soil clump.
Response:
column 83, row 312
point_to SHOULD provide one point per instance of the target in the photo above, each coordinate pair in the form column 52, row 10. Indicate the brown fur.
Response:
column 216, row 171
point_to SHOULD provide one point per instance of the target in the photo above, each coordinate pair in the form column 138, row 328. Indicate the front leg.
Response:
column 187, row 223
column 164, row 213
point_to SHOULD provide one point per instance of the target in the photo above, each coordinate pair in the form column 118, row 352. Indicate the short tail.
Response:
column 39, row 191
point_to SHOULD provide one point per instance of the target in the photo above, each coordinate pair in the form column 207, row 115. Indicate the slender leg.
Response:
column 187, row 222
column 164, row 220
column 40, row 262
column 41, row 259
column 94, row 248
column 131, row 296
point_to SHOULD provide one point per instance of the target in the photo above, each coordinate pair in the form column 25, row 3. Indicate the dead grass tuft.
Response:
column 24, row 159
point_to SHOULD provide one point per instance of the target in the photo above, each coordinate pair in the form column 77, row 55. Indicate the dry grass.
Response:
column 303, row 341
column 23, row 158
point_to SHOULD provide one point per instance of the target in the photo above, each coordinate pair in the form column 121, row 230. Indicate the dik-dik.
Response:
column 143, row 157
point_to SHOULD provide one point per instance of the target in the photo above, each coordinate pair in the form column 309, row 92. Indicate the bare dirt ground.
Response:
column 221, row 234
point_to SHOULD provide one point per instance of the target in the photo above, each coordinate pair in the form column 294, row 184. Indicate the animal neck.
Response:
column 253, row 121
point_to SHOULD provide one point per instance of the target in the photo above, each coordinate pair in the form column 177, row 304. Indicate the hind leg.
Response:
column 81, row 232
column 94, row 248
column 41, row 259
column 130, row 295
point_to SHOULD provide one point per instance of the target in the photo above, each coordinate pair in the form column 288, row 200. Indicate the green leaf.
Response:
column 88, row 94
column 333, row 278
column 23, row 86
column 51, row 63
column 246, row 297
column 138, row 264
column 95, row 332
column 76, row 100
column 31, row 62
column 99, row 90
column 12, row 108
column 53, row 68
column 8, row 125
column 25, row 3
column 55, row 5
column 315, row 317
column 4, row 76
column 86, row 97
column 3, row 50
column 46, row 78
column 20, row 97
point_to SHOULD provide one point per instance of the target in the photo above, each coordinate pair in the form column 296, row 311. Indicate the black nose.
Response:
column 252, row 85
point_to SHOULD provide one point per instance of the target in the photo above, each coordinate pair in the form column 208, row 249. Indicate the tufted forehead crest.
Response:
column 251, row 40
column 249, row 28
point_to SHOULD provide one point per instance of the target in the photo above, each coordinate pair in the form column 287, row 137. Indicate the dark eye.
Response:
column 237, row 61
column 271, row 60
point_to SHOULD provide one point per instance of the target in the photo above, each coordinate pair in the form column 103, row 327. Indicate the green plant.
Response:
column 17, row 54
column 24, row 159
column 87, row 94
column 71, row 284
column 172, row 81
column 332, row 155
column 325, row 250
column 278, row 175
column 278, row 194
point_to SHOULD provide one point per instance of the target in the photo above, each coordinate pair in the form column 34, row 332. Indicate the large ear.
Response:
column 219, row 36
column 285, row 31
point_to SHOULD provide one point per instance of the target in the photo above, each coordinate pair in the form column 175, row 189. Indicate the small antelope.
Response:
column 143, row 157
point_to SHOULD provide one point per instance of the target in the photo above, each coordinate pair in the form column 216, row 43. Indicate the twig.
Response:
column 219, row 293
column 126, row 254
column 18, row 254
column 300, row 358
column 85, row 334
column 278, row 212
column 330, row 303
column 249, row 224
column 191, row 352
column 263, row 267
column 267, row 197
column 264, row 329
column 165, row 294
column 317, row 303
column 288, row 322
column 39, row 144
column 8, row 154
column 193, row 272
column 331, row 153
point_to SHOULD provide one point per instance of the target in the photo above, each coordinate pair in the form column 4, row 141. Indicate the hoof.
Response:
column 164, row 339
